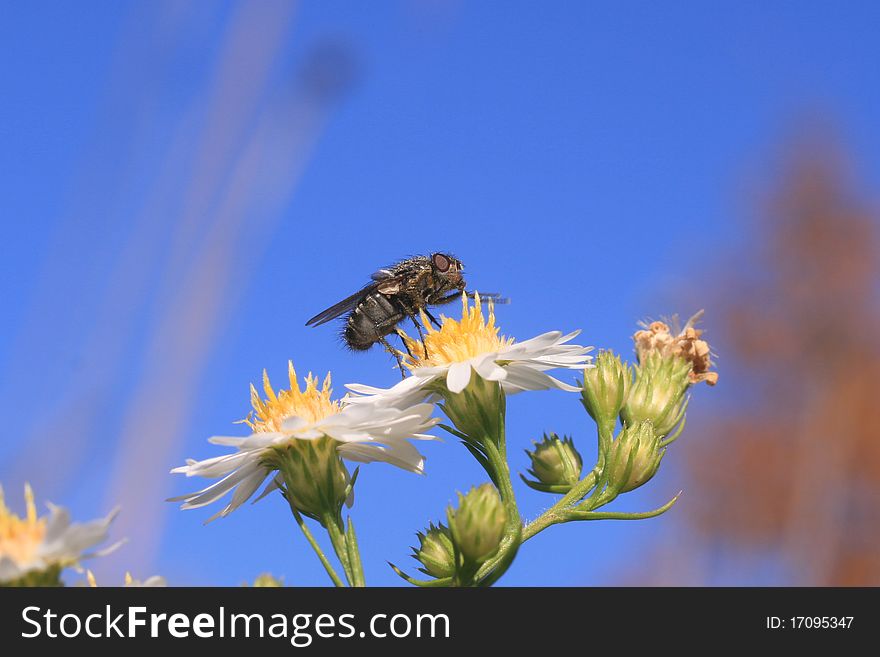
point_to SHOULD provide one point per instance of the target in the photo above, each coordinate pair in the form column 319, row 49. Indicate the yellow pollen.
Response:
column 457, row 341
column 21, row 537
column 312, row 404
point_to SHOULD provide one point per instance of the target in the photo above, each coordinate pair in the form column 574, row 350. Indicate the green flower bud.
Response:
column 606, row 386
column 635, row 456
column 658, row 393
column 556, row 465
column 267, row 581
column 316, row 480
column 477, row 525
column 435, row 552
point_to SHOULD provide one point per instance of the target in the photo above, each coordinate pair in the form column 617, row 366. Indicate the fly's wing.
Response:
column 387, row 285
column 382, row 274
column 345, row 305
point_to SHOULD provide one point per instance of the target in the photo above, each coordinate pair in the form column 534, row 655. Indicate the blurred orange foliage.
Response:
column 793, row 467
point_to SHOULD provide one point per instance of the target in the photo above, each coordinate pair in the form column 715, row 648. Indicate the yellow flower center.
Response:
column 312, row 404
column 20, row 537
column 456, row 341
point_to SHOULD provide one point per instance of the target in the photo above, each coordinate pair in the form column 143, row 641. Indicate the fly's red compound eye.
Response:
column 441, row 262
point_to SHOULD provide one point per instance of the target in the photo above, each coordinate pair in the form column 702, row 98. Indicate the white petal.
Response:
column 242, row 494
column 229, row 441
column 219, row 489
column 535, row 344
column 362, row 422
column 570, row 336
column 212, row 468
column 151, row 582
column 272, row 486
column 308, row 434
column 9, row 569
column 458, row 377
column 103, row 552
column 363, row 390
column 561, row 385
column 526, row 378
column 59, row 521
column 488, row 369
column 64, row 540
column 349, row 436
column 403, row 455
column 263, row 439
column 410, row 390
column 291, row 424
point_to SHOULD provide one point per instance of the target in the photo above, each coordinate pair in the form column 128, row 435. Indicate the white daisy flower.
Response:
column 31, row 545
column 459, row 348
column 298, row 437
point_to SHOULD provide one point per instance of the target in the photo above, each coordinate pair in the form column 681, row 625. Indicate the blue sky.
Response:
column 589, row 160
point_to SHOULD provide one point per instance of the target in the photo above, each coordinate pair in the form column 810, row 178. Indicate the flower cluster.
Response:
column 302, row 442
column 302, row 438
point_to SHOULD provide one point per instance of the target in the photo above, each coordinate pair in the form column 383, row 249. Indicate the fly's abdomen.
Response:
column 372, row 319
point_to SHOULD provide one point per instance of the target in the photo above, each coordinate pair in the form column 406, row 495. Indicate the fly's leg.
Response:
column 410, row 312
column 432, row 319
column 385, row 327
column 394, row 352
column 421, row 334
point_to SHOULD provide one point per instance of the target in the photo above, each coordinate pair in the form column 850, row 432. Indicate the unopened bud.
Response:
column 605, row 387
column 556, row 465
column 658, row 393
column 477, row 525
column 435, row 552
column 635, row 456
column 267, row 581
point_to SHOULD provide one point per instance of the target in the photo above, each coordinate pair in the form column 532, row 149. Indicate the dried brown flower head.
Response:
column 674, row 343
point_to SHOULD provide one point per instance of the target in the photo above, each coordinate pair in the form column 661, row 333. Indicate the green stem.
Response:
column 333, row 524
column 557, row 513
column 317, row 548
column 493, row 569
column 605, row 431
